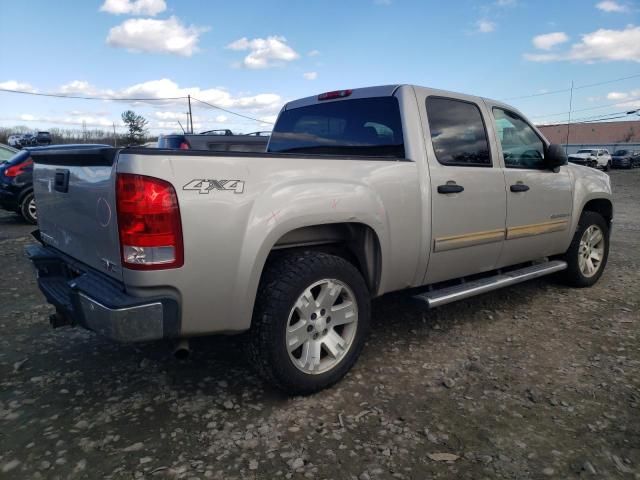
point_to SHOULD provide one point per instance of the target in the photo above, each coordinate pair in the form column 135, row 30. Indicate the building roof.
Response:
column 593, row 133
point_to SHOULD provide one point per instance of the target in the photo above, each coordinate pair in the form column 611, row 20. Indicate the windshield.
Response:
column 587, row 151
column 170, row 141
column 362, row 127
column 621, row 152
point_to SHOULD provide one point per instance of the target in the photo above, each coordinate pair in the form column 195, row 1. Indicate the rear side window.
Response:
column 458, row 133
column 360, row 127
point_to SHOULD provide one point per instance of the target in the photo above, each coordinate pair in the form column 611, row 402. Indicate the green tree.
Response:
column 136, row 125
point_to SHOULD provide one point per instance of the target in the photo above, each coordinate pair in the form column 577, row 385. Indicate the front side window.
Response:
column 458, row 134
column 521, row 146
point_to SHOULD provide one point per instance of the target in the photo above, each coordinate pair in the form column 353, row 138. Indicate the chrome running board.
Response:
column 435, row 298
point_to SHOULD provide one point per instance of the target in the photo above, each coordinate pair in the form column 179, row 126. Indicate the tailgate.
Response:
column 76, row 200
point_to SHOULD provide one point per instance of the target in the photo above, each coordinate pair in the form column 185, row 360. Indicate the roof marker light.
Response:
column 335, row 94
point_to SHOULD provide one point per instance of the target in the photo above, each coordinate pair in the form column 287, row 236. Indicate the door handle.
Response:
column 450, row 188
column 519, row 187
column 61, row 180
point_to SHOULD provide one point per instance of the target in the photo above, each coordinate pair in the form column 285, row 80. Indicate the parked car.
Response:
column 16, row 180
column 14, row 140
column 27, row 140
column 362, row 192
column 625, row 159
column 592, row 157
column 6, row 152
column 43, row 138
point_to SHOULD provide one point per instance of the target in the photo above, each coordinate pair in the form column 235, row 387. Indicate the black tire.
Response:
column 285, row 279
column 573, row 275
column 607, row 167
column 26, row 211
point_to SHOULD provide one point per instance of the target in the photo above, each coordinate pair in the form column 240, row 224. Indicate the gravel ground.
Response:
column 537, row 381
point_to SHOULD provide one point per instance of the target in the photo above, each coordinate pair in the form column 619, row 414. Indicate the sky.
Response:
column 251, row 57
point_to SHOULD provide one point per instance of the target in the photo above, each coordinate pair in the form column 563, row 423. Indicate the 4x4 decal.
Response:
column 204, row 186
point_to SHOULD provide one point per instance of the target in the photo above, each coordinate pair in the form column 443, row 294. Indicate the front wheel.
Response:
column 310, row 321
column 587, row 255
column 28, row 209
column 607, row 167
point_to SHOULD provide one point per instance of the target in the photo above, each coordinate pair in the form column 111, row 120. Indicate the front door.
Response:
column 468, row 198
column 539, row 200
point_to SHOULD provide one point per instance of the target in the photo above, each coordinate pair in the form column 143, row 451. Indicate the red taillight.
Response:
column 184, row 146
column 335, row 94
column 149, row 223
column 16, row 170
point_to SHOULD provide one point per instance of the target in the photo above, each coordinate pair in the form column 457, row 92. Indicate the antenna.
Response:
column 181, row 127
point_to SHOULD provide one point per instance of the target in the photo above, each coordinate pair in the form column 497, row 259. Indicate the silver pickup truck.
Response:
column 361, row 192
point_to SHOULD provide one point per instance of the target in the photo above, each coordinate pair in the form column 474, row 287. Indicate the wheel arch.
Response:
column 356, row 242
column 602, row 206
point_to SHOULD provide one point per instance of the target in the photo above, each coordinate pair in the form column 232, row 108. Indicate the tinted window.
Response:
column 620, row 153
column 521, row 146
column 367, row 127
column 457, row 132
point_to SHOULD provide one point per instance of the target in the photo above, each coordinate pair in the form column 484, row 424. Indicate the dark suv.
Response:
column 43, row 138
column 16, row 180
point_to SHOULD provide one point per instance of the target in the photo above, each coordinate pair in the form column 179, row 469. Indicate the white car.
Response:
column 592, row 157
column 14, row 140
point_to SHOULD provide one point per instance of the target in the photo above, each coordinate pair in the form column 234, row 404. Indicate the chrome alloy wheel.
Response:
column 322, row 326
column 31, row 208
column 591, row 251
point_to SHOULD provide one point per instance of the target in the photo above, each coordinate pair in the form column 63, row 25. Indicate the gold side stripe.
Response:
column 537, row 229
column 453, row 242
column 467, row 240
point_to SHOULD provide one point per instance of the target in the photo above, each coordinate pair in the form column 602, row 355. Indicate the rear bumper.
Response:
column 98, row 303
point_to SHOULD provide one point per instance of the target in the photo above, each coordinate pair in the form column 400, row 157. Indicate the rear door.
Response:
column 467, row 189
column 75, row 194
column 539, row 200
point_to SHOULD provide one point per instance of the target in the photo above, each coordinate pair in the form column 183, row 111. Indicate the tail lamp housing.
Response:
column 149, row 223
column 16, row 170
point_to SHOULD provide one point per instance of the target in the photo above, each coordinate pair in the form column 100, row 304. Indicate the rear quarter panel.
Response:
column 228, row 235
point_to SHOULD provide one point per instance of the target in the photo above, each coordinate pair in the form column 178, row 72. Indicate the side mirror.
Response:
column 555, row 156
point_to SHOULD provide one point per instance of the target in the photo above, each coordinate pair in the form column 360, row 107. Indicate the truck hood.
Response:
column 591, row 175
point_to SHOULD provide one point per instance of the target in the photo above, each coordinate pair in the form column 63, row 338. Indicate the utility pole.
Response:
column 84, row 131
column 190, row 114
column 566, row 147
column 115, row 139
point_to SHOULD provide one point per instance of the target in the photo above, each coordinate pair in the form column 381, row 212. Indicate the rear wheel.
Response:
column 28, row 209
column 587, row 255
column 310, row 321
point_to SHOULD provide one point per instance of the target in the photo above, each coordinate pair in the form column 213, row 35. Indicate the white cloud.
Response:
column 611, row 6
column 310, row 75
column 314, row 53
column 601, row 45
column 18, row 86
column 134, row 7
column 89, row 120
column 265, row 52
column 485, row 26
column 626, row 96
column 549, row 40
column 156, row 36
column 78, row 87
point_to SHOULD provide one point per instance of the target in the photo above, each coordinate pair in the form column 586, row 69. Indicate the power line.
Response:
column 82, row 97
column 621, row 103
column 580, row 87
column 596, row 118
column 232, row 112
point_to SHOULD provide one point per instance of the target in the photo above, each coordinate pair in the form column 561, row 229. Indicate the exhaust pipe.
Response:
column 181, row 351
